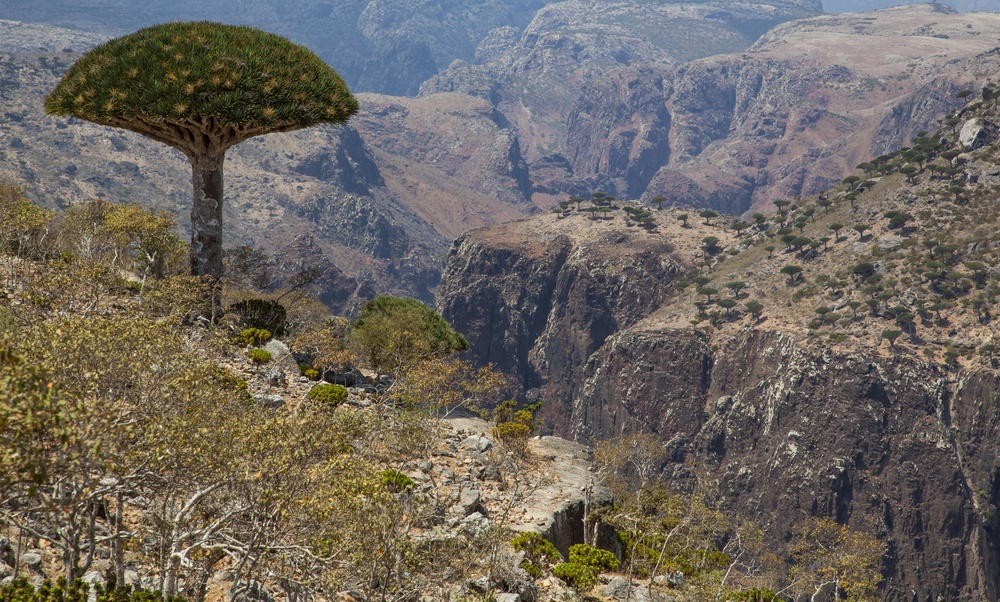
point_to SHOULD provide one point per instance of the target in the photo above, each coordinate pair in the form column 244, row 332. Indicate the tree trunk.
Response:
column 206, row 215
column 118, row 543
column 170, row 575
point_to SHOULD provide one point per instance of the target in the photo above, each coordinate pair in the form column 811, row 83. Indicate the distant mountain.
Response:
column 389, row 46
column 789, row 115
column 860, row 6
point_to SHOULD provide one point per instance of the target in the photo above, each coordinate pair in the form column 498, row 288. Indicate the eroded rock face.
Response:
column 898, row 447
column 742, row 122
column 902, row 451
column 506, row 289
column 450, row 158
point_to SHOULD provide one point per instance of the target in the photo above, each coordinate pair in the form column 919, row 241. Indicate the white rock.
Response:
column 477, row 443
column 977, row 132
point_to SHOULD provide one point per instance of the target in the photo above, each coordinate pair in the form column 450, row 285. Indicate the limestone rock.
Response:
column 269, row 401
column 556, row 508
column 281, row 358
column 619, row 589
column 31, row 561
column 469, row 501
column 95, row 580
column 476, row 443
column 977, row 132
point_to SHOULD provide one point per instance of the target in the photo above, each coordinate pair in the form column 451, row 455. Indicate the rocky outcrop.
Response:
column 977, row 133
column 507, row 289
column 556, row 508
column 553, row 500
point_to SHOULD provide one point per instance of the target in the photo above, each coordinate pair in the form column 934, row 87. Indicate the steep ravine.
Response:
column 899, row 447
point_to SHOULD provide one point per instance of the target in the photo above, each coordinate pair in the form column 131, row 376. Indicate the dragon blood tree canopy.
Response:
column 202, row 87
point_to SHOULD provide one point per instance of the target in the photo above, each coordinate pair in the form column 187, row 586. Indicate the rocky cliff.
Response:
column 904, row 451
column 800, row 408
column 505, row 289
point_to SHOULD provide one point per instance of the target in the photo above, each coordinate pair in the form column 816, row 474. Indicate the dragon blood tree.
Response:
column 201, row 88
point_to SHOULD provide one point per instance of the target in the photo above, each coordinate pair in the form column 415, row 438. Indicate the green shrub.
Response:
column 261, row 313
column 332, row 395
column 596, row 558
column 395, row 481
column 395, row 333
column 259, row 356
column 577, row 575
column 532, row 569
column 254, row 336
column 311, row 373
column 512, row 433
column 539, row 553
column 22, row 591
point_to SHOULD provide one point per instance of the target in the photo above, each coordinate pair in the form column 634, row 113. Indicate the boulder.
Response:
column 507, row 597
column 351, row 377
column 95, row 580
column 6, row 551
column 476, row 443
column 977, row 133
column 276, row 377
column 31, row 561
column 282, row 359
column 618, row 588
column 474, row 524
column 269, row 401
column 469, row 501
